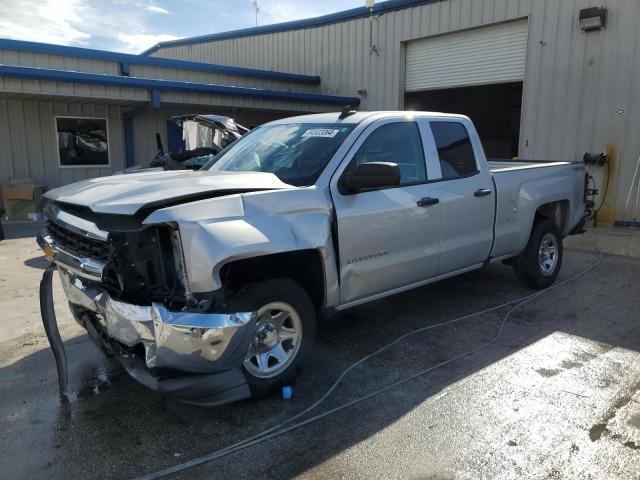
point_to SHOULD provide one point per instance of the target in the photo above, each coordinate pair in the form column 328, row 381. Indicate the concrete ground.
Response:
column 557, row 396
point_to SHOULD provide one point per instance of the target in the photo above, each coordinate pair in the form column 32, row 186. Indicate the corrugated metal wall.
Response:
column 581, row 90
column 57, row 62
column 28, row 140
column 28, row 143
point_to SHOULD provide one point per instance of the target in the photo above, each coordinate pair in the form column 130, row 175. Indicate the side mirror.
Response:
column 367, row 176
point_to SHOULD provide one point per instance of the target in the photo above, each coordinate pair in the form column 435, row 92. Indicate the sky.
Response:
column 133, row 25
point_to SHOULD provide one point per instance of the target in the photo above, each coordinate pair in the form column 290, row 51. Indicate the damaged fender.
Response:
column 217, row 231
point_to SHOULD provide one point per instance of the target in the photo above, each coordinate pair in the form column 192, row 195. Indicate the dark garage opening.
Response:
column 494, row 109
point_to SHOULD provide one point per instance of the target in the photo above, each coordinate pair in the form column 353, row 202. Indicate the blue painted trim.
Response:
column 129, row 152
column 126, row 58
column 123, row 67
column 127, row 121
column 11, row 71
column 155, row 98
column 379, row 9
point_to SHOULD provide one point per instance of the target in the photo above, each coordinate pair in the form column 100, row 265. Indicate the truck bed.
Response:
column 505, row 165
column 517, row 183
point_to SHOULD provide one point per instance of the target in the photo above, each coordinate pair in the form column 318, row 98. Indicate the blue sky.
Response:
column 134, row 25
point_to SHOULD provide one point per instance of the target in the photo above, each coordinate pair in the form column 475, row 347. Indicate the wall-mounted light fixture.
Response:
column 594, row 18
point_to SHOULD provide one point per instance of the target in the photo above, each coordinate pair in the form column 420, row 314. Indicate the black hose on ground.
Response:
column 50, row 323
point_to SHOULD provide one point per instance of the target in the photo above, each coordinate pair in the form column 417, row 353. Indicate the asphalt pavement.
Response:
column 557, row 396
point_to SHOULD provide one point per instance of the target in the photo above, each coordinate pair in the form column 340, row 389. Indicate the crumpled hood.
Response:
column 127, row 193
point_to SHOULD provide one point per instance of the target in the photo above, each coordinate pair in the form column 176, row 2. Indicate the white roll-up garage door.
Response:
column 495, row 54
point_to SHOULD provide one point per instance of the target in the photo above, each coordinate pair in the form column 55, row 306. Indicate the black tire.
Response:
column 528, row 267
column 257, row 295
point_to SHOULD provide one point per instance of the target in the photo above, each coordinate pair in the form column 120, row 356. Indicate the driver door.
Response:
column 389, row 238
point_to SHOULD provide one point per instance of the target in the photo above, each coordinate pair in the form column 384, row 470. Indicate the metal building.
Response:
column 542, row 79
column 537, row 81
column 48, row 93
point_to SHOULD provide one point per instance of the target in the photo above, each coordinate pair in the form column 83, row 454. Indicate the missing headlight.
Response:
column 147, row 266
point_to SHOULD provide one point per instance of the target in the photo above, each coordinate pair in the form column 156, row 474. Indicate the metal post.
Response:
column 255, row 5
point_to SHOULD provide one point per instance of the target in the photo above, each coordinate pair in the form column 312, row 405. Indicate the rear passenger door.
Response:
column 388, row 238
column 466, row 194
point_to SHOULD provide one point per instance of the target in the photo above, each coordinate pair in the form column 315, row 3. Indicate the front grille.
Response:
column 77, row 243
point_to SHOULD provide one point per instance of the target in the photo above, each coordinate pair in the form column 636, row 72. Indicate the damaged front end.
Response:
column 129, row 288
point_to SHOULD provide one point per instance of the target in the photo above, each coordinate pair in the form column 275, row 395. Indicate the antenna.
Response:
column 346, row 112
column 255, row 5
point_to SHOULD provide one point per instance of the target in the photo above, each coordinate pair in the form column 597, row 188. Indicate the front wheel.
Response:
column 539, row 264
column 285, row 331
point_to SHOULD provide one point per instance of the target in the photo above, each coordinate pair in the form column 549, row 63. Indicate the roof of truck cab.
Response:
column 357, row 117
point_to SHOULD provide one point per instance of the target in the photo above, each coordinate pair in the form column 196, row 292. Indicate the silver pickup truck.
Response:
column 206, row 285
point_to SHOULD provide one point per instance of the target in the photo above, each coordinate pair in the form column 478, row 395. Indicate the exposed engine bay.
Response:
column 194, row 140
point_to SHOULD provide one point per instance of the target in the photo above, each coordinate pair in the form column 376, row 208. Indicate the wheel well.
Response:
column 554, row 211
column 303, row 266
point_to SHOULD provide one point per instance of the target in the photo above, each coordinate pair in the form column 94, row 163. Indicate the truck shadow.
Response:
column 38, row 262
column 117, row 428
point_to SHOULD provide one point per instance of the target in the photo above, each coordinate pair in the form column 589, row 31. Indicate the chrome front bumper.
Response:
column 84, row 267
column 208, row 348
column 191, row 342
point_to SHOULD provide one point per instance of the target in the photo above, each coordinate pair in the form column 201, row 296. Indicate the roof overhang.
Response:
column 157, row 85
column 129, row 59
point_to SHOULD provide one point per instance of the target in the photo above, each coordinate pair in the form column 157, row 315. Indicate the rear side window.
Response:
column 396, row 143
column 454, row 149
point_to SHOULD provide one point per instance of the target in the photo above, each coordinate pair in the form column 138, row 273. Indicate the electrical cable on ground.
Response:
column 280, row 428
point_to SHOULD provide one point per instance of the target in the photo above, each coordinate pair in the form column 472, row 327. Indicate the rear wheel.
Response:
column 285, row 331
column 539, row 264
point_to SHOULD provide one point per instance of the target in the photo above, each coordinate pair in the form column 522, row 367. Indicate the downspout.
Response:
column 127, row 121
column 129, row 152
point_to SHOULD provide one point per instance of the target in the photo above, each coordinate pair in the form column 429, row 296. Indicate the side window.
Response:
column 454, row 149
column 396, row 143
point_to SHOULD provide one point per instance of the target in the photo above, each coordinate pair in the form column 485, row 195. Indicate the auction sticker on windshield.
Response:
column 320, row 132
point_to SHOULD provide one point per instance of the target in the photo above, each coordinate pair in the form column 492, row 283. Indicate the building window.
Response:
column 82, row 142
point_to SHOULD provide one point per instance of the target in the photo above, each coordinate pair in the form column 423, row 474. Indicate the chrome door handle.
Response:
column 482, row 192
column 427, row 201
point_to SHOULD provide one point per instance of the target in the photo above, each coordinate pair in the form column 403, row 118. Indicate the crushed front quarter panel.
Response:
column 217, row 231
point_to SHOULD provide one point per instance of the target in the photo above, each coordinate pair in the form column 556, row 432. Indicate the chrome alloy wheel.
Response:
column 276, row 341
column 548, row 254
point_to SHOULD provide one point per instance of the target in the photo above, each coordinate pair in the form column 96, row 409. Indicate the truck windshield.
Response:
column 297, row 153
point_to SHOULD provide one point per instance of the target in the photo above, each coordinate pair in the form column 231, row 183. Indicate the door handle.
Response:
column 427, row 201
column 482, row 192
